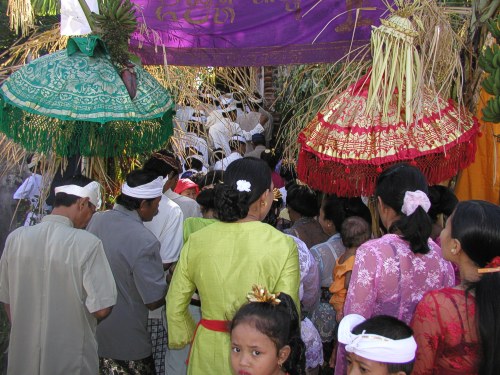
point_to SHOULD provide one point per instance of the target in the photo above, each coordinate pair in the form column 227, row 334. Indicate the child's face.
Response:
column 190, row 193
column 357, row 365
column 253, row 353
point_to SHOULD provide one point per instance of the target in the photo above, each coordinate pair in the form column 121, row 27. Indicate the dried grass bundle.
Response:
column 21, row 16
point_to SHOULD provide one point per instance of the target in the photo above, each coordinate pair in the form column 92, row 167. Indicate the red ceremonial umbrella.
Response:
column 345, row 148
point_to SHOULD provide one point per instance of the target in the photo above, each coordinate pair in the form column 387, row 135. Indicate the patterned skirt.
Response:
column 108, row 366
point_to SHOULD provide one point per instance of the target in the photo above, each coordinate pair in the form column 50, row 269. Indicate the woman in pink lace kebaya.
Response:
column 458, row 329
column 391, row 274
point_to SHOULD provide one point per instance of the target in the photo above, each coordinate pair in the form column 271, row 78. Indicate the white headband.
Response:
column 375, row 347
column 238, row 138
column 91, row 191
column 413, row 199
column 150, row 190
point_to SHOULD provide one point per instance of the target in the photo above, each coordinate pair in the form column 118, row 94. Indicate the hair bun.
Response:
column 230, row 204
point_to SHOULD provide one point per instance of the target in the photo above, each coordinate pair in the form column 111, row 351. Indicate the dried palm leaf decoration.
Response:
column 396, row 64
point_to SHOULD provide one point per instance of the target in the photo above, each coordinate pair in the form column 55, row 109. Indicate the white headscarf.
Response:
column 150, row 190
column 91, row 191
column 375, row 347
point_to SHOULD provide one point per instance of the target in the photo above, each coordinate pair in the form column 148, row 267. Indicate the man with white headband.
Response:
column 381, row 345
column 237, row 144
column 134, row 255
column 56, row 283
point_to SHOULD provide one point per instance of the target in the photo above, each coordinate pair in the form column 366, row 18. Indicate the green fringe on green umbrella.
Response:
column 44, row 134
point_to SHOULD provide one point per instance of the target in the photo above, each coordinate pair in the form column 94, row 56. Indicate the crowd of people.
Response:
column 217, row 260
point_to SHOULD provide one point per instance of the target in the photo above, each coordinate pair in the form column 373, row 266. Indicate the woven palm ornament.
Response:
column 388, row 116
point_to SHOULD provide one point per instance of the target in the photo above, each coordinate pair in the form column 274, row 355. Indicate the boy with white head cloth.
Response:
column 133, row 253
column 56, row 283
column 381, row 345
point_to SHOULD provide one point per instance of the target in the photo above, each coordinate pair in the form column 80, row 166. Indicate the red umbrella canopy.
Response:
column 345, row 148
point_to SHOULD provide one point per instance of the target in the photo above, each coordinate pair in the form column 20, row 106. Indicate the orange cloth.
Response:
column 481, row 180
column 338, row 290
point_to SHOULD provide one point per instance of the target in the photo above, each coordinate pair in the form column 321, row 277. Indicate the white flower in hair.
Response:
column 243, row 185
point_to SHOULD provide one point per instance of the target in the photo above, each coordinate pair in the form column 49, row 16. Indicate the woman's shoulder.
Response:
column 440, row 297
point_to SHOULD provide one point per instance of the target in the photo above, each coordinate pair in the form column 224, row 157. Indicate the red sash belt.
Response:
column 215, row 325
column 212, row 325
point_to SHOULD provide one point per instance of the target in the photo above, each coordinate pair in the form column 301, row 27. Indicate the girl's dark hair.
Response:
column 334, row 210
column 392, row 328
column 134, row 179
column 476, row 224
column 354, row 231
column 303, row 200
column 231, row 204
column 392, row 184
column 338, row 209
column 206, row 198
column 443, row 201
column 281, row 323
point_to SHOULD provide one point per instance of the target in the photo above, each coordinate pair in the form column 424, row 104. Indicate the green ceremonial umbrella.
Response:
column 75, row 102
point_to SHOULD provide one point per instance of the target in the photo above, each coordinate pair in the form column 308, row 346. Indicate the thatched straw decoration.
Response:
column 396, row 62
column 305, row 89
column 21, row 16
column 48, row 41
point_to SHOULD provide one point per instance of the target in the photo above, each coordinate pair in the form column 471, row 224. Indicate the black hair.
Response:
column 163, row 163
column 281, row 323
column 288, row 172
column 67, row 200
column 271, row 157
column 210, row 178
column 443, row 201
column 218, row 154
column 234, row 144
column 134, row 179
column 354, row 231
column 193, row 163
column 206, row 198
column 303, row 200
column 392, row 328
column 334, row 210
column 193, row 127
column 392, row 184
column 231, row 204
column 259, row 141
column 476, row 224
column 274, row 212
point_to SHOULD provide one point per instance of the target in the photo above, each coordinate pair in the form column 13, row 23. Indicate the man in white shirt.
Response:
column 56, row 284
column 237, row 144
column 167, row 227
column 224, row 128
column 166, row 164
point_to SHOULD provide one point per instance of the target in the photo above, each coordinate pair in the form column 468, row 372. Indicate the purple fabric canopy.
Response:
column 251, row 32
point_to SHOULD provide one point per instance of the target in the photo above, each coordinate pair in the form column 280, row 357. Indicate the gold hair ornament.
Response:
column 277, row 194
column 261, row 294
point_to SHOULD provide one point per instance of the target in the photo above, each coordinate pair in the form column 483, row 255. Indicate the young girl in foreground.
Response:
column 381, row 345
column 265, row 336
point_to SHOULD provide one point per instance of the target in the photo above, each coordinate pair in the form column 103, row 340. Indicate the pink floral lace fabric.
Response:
column 389, row 279
column 444, row 326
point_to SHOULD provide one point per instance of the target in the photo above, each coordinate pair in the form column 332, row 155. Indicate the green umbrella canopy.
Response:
column 75, row 102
